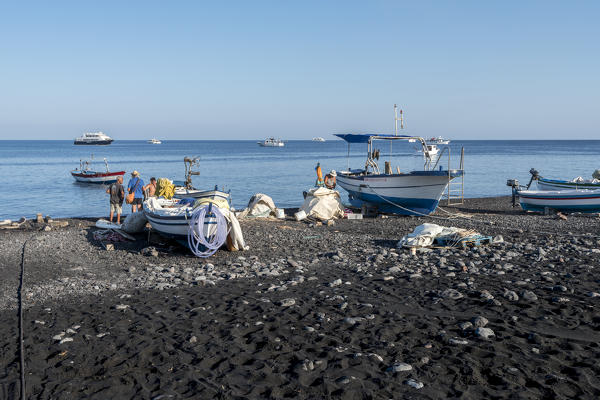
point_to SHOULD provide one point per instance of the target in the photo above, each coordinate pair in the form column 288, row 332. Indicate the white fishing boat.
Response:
column 93, row 138
column 181, row 192
column 432, row 149
column 409, row 193
column 172, row 218
column 318, row 139
column 154, row 141
column 587, row 201
column 272, row 142
column 86, row 174
column 438, row 140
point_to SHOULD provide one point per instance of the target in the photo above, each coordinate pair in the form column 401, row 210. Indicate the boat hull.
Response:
column 271, row 145
column 201, row 194
column 97, row 178
column 552, row 184
column 587, row 201
column 178, row 227
column 415, row 193
column 91, row 143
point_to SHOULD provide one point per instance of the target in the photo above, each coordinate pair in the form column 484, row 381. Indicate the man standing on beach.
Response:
column 117, row 194
column 136, row 186
column 150, row 189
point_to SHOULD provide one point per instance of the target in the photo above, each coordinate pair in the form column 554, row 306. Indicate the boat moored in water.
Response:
column 93, row 138
column 85, row 174
column 438, row 140
column 318, row 139
column 272, row 142
column 154, row 141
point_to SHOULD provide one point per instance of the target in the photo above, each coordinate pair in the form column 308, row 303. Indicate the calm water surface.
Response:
column 37, row 179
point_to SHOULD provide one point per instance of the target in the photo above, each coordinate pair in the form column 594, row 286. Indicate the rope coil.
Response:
column 205, row 242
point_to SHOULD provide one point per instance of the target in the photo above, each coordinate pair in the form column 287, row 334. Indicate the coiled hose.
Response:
column 214, row 238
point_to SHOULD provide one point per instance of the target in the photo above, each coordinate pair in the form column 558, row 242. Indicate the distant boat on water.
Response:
column 154, row 141
column 318, row 139
column 85, row 174
column 438, row 140
column 93, row 138
column 271, row 142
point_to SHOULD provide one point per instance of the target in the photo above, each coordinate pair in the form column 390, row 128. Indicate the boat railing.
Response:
column 455, row 193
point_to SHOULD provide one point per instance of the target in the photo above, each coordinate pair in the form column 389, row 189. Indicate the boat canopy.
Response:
column 366, row 137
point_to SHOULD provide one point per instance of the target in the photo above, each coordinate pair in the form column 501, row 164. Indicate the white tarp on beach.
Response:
column 259, row 206
column 323, row 204
column 425, row 234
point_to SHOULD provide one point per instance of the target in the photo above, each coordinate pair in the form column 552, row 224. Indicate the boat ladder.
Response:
column 455, row 193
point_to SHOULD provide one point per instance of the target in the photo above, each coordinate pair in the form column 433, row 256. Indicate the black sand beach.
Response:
column 309, row 312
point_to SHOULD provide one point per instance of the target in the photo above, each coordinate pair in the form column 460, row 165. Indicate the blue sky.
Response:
column 251, row 69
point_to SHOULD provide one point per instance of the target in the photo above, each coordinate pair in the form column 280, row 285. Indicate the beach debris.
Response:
column 65, row 340
column 121, row 307
column 560, row 215
column 352, row 320
column 193, row 339
column 108, row 246
column 399, row 367
column 102, row 334
column 47, row 228
column 413, row 383
column 150, row 251
column 109, row 235
column 484, row 333
column 335, row 283
column 59, row 336
column 426, row 234
column 9, row 224
column 287, row 302
column 457, row 341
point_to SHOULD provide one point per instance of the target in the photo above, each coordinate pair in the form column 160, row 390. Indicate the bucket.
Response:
column 280, row 213
column 300, row 215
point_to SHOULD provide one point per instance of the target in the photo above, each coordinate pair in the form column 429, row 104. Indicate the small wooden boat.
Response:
column 587, row 201
column 85, row 174
column 575, row 184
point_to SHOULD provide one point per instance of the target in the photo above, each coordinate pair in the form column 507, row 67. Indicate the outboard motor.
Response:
column 514, row 184
column 534, row 176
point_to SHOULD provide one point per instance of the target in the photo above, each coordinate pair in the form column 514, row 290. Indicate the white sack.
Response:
column 323, row 204
column 425, row 234
column 235, row 240
column 260, row 205
column 134, row 222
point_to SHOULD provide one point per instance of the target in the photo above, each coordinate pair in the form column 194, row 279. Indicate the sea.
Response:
column 36, row 174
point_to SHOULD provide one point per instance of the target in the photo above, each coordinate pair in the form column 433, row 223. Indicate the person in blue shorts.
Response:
column 136, row 186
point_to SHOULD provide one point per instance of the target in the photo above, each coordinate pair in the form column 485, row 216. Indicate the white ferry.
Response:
column 154, row 141
column 318, row 139
column 91, row 138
